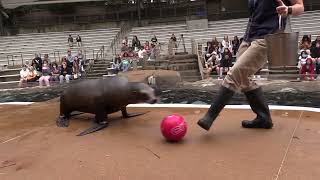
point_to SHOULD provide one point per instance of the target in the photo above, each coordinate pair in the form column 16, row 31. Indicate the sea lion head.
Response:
column 142, row 93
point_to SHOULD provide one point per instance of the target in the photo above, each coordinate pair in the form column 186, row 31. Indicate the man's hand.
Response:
column 282, row 9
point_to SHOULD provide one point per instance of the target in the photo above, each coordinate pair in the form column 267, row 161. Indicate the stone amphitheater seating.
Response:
column 29, row 44
column 308, row 23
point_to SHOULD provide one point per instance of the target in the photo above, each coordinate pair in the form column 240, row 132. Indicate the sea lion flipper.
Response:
column 95, row 128
column 126, row 115
column 76, row 113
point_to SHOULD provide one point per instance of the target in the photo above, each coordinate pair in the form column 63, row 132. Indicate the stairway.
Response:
column 98, row 69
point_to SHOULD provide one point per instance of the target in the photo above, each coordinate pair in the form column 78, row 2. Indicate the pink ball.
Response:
column 173, row 127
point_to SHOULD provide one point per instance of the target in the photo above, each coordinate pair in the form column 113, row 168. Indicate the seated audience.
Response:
column 70, row 58
column 65, row 73
column 304, row 55
column 32, row 76
column 307, row 70
column 235, row 45
column 224, row 41
column 125, row 63
column 116, row 64
column 225, row 63
column 37, row 64
column 147, row 48
column 45, row 77
column 305, row 42
column 76, row 68
column 315, row 53
column 215, row 42
column 23, row 75
column 124, row 46
column 46, row 59
column 55, row 72
column 135, row 43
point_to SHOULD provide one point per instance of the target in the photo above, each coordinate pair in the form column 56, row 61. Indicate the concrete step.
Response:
column 183, row 67
column 6, row 78
column 94, row 71
column 183, row 61
column 9, row 72
column 99, row 67
column 96, row 74
column 191, row 78
column 193, row 72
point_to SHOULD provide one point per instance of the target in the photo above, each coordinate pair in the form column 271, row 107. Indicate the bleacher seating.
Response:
column 308, row 23
column 48, row 43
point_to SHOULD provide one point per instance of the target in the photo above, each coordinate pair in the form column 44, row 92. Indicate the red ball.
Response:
column 173, row 127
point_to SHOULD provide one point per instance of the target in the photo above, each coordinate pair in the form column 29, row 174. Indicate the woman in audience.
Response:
column 125, row 64
column 307, row 70
column 76, row 68
column 135, row 43
column 225, row 40
column 305, row 42
column 304, row 55
column 225, row 63
column 32, row 76
column 215, row 42
column 147, row 48
column 235, row 45
column 23, row 75
column 315, row 53
column 65, row 73
column 55, row 72
column 45, row 75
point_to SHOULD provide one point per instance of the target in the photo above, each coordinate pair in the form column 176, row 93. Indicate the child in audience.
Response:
column 23, row 75
column 55, row 71
column 125, row 64
column 45, row 75
column 225, row 63
column 307, row 70
column 32, row 76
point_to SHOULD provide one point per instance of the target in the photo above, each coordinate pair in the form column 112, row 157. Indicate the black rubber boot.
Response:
column 260, row 107
column 224, row 95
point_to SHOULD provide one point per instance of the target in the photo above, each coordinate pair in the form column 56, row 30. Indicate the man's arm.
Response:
column 297, row 7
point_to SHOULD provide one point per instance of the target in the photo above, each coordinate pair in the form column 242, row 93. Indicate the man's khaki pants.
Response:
column 250, row 58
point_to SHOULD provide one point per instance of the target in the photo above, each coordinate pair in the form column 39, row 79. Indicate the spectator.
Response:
column 307, row 70
column 124, row 47
column 79, row 41
column 215, row 42
column 174, row 40
column 154, row 40
column 225, row 63
column 305, row 42
column 76, row 68
column 46, row 59
column 126, row 40
column 55, row 72
column 315, row 42
column 227, row 46
column 82, row 60
column 69, row 57
column 135, row 43
column 37, row 64
column 315, row 54
column 116, row 65
column 45, row 77
column 32, row 76
column 65, row 73
column 235, row 45
column 147, row 48
column 23, row 75
column 304, row 55
column 70, row 40
column 124, row 65
column 225, row 40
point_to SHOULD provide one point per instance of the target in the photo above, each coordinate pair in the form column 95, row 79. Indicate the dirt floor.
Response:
column 32, row 147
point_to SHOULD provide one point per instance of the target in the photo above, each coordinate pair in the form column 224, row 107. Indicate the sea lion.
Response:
column 102, row 97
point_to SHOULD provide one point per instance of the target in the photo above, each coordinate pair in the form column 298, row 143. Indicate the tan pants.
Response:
column 250, row 58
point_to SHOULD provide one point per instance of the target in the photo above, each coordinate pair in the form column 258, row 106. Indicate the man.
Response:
column 252, row 55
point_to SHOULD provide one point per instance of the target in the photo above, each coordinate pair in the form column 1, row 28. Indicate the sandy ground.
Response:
column 135, row 149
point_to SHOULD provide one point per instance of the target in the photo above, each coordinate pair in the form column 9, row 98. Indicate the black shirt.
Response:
column 263, row 19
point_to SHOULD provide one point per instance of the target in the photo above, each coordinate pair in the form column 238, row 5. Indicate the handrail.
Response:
column 199, row 54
